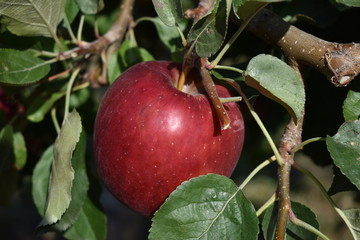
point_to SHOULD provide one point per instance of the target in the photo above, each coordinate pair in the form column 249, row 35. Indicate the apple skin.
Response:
column 149, row 137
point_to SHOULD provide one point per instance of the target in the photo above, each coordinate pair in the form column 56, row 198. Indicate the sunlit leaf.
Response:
column 90, row 218
column 79, row 188
column 21, row 67
column 90, row 6
column 351, row 107
column 209, row 32
column 32, row 17
column 276, row 80
column 293, row 232
column 206, row 207
column 353, row 217
column 169, row 11
column 350, row 3
column 62, row 173
column 344, row 148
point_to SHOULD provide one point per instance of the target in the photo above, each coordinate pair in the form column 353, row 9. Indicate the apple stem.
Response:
column 182, row 78
column 213, row 95
column 230, row 99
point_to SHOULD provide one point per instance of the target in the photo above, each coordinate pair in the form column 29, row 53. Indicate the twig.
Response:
column 290, row 139
column 115, row 33
column 340, row 63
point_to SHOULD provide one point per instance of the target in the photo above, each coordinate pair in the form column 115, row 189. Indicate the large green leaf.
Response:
column 169, row 11
column 79, row 187
column 62, row 173
column 293, row 232
column 40, row 179
column 351, row 107
column 344, row 148
column 207, row 207
column 21, row 67
column 278, row 81
column 353, row 221
column 90, row 6
column 90, row 224
column 32, row 17
column 350, row 3
column 209, row 32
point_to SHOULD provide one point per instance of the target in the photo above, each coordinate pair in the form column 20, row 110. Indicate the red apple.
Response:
column 149, row 137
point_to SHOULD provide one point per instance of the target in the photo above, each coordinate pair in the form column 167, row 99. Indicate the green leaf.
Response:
column 130, row 54
column 293, row 232
column 40, row 179
column 168, row 35
column 21, row 67
column 350, row 3
column 344, row 148
column 90, row 6
column 245, row 8
column 169, row 11
column 32, row 17
column 42, row 105
column 209, row 32
column 79, row 188
column 113, row 68
column 351, row 107
column 71, row 10
column 62, row 173
column 206, row 207
column 20, row 151
column 90, row 224
column 276, row 80
column 353, row 221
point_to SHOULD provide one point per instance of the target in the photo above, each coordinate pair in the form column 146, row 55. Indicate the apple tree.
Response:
column 86, row 107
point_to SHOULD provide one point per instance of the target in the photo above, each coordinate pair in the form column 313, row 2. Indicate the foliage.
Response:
column 45, row 76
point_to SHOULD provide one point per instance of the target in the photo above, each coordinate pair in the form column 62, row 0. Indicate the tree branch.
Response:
column 340, row 63
column 115, row 33
column 290, row 139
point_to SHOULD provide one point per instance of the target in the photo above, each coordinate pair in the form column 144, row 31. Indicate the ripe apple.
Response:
column 149, row 137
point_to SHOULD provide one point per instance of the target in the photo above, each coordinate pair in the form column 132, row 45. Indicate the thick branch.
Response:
column 340, row 63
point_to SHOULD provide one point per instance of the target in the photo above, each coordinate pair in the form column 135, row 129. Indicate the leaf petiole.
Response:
column 68, row 90
column 306, row 226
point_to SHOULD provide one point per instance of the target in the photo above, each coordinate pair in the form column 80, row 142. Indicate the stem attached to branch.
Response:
column 213, row 95
column 289, row 141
